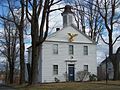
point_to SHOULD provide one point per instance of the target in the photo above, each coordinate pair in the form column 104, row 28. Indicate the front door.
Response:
column 71, row 72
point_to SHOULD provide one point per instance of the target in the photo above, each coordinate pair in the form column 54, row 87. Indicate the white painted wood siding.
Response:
column 50, row 59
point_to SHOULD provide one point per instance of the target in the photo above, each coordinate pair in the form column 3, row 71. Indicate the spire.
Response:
column 67, row 16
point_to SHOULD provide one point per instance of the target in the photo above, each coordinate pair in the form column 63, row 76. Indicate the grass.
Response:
column 112, row 85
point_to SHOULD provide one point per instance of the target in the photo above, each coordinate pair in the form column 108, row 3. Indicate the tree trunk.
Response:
column 11, row 73
column 112, row 58
column 6, row 73
column 40, row 63
column 116, row 69
column 22, row 47
column 34, row 64
column 22, row 62
column 29, row 72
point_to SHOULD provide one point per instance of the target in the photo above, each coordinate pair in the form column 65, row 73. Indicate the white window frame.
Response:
column 55, row 69
column 65, row 19
column 86, row 68
column 85, row 50
column 55, row 48
column 71, row 50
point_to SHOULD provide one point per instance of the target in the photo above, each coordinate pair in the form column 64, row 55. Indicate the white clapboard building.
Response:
column 67, row 52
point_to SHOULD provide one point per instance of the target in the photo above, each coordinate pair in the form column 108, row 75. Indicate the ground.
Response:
column 4, row 87
column 111, row 85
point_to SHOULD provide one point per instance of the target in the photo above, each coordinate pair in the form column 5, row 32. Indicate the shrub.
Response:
column 82, row 75
column 93, row 77
column 56, row 80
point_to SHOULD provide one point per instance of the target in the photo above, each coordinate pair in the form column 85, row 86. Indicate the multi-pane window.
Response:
column 86, row 68
column 85, row 50
column 55, row 48
column 71, row 49
column 55, row 69
column 65, row 20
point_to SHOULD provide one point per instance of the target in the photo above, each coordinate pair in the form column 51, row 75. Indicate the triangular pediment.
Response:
column 67, row 33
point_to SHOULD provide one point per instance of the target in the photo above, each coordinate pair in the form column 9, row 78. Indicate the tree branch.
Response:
column 27, row 12
column 39, row 7
column 56, row 9
column 54, row 2
column 103, row 39
column 116, row 40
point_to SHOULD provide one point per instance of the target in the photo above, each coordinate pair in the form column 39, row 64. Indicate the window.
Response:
column 65, row 20
column 85, row 50
column 55, row 48
column 70, row 19
column 86, row 68
column 55, row 69
column 71, row 49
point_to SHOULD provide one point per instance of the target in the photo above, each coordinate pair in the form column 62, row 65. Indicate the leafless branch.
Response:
column 103, row 39
column 56, row 9
column 27, row 12
column 53, row 3
column 116, row 39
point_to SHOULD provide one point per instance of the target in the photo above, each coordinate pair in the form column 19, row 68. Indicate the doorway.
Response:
column 71, row 71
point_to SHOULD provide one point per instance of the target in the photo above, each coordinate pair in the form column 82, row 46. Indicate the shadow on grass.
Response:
column 109, row 83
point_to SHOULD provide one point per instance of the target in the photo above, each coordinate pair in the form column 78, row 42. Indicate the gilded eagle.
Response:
column 71, row 36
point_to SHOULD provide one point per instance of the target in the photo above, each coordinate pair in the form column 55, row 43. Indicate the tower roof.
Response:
column 67, row 9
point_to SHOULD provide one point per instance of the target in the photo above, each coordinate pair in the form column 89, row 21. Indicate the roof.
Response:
column 114, row 55
column 118, row 50
column 67, row 9
column 82, row 33
column 72, row 25
column 107, row 59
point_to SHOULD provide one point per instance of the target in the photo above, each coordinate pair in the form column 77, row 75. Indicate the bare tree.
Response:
column 16, row 10
column 108, row 10
column 80, row 14
column 39, row 20
column 94, row 20
column 9, row 49
column 87, row 17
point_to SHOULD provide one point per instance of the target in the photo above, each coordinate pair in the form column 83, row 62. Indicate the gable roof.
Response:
column 114, row 56
column 82, row 33
column 75, row 28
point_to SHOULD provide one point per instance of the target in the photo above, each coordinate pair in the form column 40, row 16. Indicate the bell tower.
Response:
column 67, row 16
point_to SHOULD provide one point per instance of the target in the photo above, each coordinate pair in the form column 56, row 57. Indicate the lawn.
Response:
column 75, row 86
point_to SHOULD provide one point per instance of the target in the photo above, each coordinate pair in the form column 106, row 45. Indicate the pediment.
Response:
column 69, row 34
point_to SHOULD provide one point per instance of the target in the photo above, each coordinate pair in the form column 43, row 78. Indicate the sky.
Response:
column 102, row 48
column 56, row 21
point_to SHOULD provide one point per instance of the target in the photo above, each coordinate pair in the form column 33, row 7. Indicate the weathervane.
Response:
column 71, row 37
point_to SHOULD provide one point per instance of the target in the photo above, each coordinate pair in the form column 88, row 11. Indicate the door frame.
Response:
column 72, row 72
column 70, row 61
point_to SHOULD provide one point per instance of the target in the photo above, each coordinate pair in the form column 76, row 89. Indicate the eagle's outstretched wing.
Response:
column 74, row 35
column 71, row 36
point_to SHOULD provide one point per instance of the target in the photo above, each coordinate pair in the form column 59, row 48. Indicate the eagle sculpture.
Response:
column 71, row 37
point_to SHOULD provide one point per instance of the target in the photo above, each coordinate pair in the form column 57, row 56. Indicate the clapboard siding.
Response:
column 50, row 59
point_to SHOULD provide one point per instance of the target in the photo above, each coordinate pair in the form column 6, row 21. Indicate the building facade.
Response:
column 67, row 52
column 106, row 70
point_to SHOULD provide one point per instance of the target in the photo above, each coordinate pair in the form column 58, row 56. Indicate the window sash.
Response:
column 55, row 48
column 71, row 49
column 65, row 20
column 55, row 69
column 85, row 67
column 85, row 50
